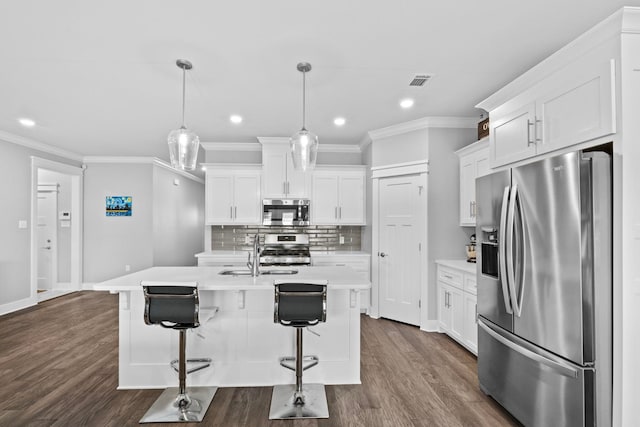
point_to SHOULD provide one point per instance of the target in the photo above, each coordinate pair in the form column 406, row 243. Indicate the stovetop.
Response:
column 285, row 249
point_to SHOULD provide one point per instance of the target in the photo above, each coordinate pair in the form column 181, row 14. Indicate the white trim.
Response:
column 140, row 160
column 340, row 168
column 631, row 20
column 17, row 305
column 338, row 148
column 421, row 166
column 77, row 192
column 430, row 326
column 231, row 146
column 273, row 139
column 89, row 286
column 232, row 166
column 364, row 142
column 40, row 146
column 473, row 147
column 424, row 123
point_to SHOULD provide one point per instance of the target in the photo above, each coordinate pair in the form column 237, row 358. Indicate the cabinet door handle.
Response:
column 230, row 212
column 446, row 299
column 529, row 141
column 470, row 209
column 235, row 212
column 288, row 187
column 536, row 131
column 340, row 212
column 473, row 209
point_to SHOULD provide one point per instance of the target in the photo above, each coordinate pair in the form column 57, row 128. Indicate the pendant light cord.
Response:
column 184, row 73
column 304, row 91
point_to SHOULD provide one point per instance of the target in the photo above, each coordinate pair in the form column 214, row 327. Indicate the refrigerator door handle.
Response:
column 510, row 250
column 502, row 259
column 521, row 262
column 561, row 368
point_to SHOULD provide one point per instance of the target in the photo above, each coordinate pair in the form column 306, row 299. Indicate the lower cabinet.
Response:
column 457, row 304
column 222, row 260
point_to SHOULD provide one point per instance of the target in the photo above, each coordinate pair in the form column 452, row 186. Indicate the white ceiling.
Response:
column 100, row 79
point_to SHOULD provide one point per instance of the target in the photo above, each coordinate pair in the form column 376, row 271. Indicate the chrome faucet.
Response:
column 255, row 265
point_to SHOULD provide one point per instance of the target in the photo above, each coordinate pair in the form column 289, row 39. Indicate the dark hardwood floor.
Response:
column 58, row 367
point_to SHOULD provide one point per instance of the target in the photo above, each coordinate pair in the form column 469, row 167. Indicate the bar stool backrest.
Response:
column 172, row 305
column 300, row 304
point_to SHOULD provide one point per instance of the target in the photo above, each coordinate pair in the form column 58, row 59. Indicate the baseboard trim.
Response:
column 17, row 305
column 430, row 326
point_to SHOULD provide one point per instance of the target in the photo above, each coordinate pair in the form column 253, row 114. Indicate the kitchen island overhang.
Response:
column 237, row 330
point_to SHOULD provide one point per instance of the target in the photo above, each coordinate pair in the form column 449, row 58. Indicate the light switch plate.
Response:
column 22, row 223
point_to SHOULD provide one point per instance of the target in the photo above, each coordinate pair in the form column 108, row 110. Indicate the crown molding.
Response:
column 424, row 123
column 140, row 160
column 338, row 148
column 231, row 146
column 631, row 20
column 364, row 142
column 273, row 139
column 40, row 146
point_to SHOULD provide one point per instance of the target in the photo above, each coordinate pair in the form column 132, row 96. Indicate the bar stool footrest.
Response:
column 290, row 362
column 165, row 408
column 204, row 363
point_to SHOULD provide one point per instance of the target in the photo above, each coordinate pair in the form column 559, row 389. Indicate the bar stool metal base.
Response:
column 283, row 402
column 165, row 408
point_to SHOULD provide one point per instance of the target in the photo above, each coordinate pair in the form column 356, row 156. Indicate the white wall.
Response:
column 447, row 239
column 15, row 286
column 407, row 147
column 166, row 226
column 367, row 243
column 178, row 218
column 110, row 243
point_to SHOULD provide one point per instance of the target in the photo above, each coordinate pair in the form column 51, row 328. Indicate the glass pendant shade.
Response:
column 183, row 143
column 304, row 150
column 183, row 148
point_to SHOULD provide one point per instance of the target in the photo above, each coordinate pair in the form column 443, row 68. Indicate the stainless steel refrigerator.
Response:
column 545, row 290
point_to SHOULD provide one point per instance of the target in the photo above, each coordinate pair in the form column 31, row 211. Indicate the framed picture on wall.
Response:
column 118, row 206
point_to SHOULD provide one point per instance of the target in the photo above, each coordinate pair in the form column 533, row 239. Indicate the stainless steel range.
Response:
column 285, row 249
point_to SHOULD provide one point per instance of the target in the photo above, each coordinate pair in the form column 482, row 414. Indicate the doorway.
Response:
column 399, row 246
column 56, row 227
column 47, row 236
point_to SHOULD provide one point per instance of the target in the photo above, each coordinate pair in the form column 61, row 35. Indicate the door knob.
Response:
column 382, row 254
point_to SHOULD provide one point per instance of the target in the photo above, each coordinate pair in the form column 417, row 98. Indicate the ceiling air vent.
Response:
column 420, row 79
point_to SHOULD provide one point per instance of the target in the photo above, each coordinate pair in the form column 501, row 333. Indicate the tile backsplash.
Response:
column 321, row 237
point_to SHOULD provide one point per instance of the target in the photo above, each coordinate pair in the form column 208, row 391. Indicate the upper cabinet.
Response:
column 232, row 195
column 280, row 179
column 338, row 195
column 474, row 162
column 572, row 105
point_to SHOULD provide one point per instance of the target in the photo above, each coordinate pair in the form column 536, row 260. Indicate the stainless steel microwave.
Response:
column 293, row 212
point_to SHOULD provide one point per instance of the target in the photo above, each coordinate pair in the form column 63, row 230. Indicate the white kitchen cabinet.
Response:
column 233, row 195
column 474, row 162
column 573, row 105
column 280, row 179
column 457, row 302
column 338, row 196
column 360, row 262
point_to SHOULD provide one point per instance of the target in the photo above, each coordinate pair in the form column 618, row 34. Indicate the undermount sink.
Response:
column 248, row 272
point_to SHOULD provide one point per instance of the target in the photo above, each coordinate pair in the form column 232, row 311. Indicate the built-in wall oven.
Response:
column 283, row 212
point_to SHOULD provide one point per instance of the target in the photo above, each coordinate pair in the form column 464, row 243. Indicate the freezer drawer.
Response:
column 538, row 388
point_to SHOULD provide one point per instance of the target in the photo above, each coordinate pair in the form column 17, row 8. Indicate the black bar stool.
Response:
column 175, row 305
column 299, row 305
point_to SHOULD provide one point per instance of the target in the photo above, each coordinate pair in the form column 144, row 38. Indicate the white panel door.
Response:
column 296, row 180
column 47, row 206
column 399, row 256
column 275, row 174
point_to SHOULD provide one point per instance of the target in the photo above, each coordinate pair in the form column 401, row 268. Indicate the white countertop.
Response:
column 209, row 279
column 458, row 264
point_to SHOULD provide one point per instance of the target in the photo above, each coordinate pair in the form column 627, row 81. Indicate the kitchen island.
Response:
column 237, row 330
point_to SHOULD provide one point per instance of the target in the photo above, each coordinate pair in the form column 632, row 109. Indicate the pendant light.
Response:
column 304, row 144
column 183, row 143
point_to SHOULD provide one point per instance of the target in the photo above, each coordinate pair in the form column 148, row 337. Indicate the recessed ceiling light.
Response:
column 235, row 119
column 27, row 122
column 204, row 168
column 339, row 121
column 406, row 103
